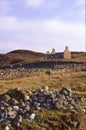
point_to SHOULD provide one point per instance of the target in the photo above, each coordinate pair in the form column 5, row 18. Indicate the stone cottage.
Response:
column 53, row 54
column 67, row 54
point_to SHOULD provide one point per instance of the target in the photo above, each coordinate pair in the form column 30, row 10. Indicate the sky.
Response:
column 41, row 25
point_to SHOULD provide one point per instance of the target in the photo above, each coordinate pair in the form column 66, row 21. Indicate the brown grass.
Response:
column 71, row 80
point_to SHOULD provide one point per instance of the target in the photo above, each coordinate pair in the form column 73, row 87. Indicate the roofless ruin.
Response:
column 53, row 54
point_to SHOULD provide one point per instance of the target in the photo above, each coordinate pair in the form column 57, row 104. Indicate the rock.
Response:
column 12, row 114
column 65, row 91
column 28, row 120
column 8, row 121
column 6, row 128
column 6, row 104
column 45, row 88
column 41, row 99
column 22, row 103
column 9, row 108
column 57, row 105
column 18, row 118
column 37, row 105
column 84, row 110
column 27, row 97
column 21, row 111
column 27, row 108
column 74, row 123
column 17, row 124
column 7, row 97
column 3, row 113
column 48, row 106
column 16, row 108
column 32, row 116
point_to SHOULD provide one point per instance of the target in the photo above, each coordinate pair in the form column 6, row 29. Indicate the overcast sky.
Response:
column 41, row 25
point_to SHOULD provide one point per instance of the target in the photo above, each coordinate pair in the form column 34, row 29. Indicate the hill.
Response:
column 17, row 56
column 24, row 56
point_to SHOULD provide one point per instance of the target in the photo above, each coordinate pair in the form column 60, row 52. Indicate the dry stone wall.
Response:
column 26, row 70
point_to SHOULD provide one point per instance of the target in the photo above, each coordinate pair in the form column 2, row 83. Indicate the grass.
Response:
column 81, row 94
column 57, row 81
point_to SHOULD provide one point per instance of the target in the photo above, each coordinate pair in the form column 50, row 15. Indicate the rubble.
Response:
column 18, row 104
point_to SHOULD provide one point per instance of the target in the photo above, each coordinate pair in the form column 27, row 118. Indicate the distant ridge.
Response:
column 17, row 56
column 23, row 51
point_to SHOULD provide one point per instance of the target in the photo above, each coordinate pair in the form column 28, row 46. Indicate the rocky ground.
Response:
column 42, row 109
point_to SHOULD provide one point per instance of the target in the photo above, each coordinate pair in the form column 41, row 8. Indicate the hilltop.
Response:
column 17, row 56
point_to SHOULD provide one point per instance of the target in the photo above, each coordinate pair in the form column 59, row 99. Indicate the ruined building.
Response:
column 53, row 51
column 53, row 54
column 48, row 53
column 67, row 54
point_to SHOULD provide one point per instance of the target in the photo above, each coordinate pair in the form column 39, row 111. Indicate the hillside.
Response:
column 23, row 56
column 17, row 56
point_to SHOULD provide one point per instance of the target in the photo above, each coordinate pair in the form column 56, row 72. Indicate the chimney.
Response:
column 53, row 51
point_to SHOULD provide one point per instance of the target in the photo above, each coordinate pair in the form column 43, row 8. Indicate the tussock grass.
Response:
column 72, row 80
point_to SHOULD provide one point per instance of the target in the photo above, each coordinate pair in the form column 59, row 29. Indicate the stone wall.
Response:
column 26, row 70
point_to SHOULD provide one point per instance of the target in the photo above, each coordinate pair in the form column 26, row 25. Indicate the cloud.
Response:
column 40, row 35
column 80, row 5
column 52, row 26
column 7, row 23
column 4, row 7
column 45, row 4
column 80, row 2
column 76, row 12
column 34, row 3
